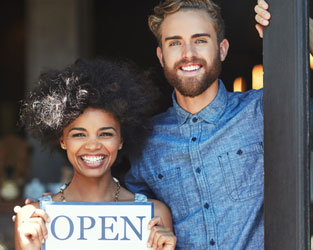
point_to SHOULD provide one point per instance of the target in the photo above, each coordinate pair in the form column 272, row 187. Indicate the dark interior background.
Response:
column 120, row 29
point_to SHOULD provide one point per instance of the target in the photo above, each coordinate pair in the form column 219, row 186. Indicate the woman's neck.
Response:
column 92, row 189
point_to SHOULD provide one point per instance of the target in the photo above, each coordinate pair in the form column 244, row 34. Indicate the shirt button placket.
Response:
column 196, row 163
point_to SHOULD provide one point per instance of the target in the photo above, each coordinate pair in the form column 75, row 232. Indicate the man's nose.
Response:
column 189, row 51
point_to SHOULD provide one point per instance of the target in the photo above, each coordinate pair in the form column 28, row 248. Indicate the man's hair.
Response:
column 61, row 96
column 171, row 6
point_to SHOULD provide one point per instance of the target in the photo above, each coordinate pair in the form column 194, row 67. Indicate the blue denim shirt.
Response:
column 208, row 168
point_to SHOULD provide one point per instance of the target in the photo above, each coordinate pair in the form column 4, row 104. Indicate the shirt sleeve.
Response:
column 262, row 103
column 135, row 181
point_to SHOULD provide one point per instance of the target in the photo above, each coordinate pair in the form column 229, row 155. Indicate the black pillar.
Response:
column 286, row 108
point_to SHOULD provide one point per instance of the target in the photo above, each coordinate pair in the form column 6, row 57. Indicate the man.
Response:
column 204, row 158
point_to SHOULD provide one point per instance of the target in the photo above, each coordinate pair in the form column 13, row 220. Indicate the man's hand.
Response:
column 262, row 16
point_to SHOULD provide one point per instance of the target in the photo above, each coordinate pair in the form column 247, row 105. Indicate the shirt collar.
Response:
column 211, row 113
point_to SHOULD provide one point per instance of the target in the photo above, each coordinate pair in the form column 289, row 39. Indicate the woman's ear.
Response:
column 62, row 144
column 121, row 144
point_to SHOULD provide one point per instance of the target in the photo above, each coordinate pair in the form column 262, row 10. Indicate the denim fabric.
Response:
column 208, row 168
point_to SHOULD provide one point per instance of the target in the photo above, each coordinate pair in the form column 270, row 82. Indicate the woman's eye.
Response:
column 78, row 135
column 106, row 134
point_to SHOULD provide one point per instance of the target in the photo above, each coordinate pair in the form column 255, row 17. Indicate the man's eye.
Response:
column 175, row 43
column 201, row 41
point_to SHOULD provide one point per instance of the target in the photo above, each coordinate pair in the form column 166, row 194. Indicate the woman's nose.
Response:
column 92, row 144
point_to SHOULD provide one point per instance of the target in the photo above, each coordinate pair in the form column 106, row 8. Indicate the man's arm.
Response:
column 263, row 17
column 136, row 183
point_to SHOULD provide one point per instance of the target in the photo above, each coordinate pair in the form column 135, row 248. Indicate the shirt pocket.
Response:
column 168, row 187
column 243, row 171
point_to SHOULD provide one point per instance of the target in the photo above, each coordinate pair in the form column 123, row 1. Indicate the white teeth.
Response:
column 190, row 68
column 92, row 159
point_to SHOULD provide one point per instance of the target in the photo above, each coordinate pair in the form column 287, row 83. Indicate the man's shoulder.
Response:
column 248, row 96
column 251, row 100
column 164, row 118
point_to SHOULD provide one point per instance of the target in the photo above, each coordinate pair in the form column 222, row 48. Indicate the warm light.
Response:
column 257, row 77
column 311, row 61
column 239, row 85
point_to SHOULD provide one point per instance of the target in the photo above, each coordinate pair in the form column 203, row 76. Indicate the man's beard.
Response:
column 193, row 86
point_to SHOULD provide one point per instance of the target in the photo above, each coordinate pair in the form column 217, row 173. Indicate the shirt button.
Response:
column 198, row 170
column 212, row 242
column 160, row 176
column 194, row 139
column 194, row 120
column 206, row 205
column 239, row 152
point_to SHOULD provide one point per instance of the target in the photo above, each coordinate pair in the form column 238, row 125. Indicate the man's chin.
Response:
column 190, row 92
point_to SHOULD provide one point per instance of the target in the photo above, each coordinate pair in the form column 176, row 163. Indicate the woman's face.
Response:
column 92, row 142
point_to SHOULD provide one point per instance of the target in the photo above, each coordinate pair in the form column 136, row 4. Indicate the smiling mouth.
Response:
column 190, row 68
column 92, row 160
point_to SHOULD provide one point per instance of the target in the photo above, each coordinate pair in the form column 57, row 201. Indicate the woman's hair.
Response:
column 62, row 95
column 168, row 7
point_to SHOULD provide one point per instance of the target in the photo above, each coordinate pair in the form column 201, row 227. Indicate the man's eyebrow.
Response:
column 172, row 38
column 193, row 36
column 200, row 35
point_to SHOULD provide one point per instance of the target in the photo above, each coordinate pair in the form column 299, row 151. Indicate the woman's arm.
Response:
column 30, row 229
column 161, row 226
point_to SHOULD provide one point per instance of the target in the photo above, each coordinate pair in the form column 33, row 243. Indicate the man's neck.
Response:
column 195, row 104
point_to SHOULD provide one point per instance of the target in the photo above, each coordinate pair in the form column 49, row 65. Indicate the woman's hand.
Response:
column 262, row 16
column 161, row 238
column 30, row 228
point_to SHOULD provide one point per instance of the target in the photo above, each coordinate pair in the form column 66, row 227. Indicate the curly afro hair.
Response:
column 117, row 87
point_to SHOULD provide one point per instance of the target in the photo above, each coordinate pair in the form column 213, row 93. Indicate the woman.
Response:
column 93, row 110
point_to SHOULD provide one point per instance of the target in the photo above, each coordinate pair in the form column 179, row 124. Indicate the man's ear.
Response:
column 224, row 45
column 62, row 144
column 160, row 55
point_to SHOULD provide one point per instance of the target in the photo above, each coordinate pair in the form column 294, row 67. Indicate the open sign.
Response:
column 92, row 226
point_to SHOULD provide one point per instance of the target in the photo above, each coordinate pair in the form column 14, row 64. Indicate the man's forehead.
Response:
column 186, row 22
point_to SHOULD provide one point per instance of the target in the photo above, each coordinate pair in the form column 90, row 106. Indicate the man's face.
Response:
column 190, row 55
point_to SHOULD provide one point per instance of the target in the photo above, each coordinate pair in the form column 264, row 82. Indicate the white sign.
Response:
column 92, row 226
